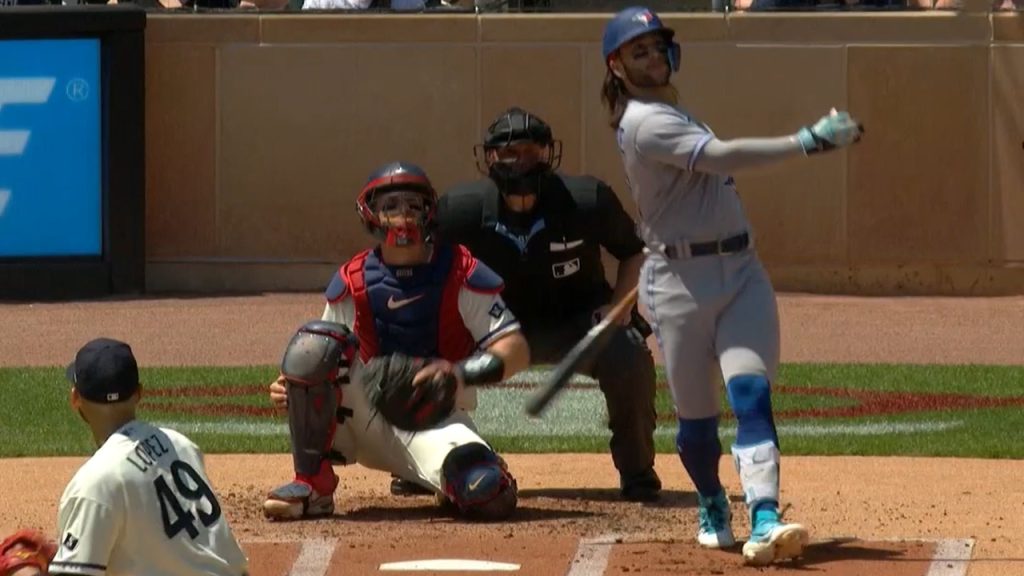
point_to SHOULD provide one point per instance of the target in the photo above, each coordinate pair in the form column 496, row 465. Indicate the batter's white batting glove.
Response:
column 835, row 130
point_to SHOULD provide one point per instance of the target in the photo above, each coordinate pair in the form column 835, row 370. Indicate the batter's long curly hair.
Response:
column 615, row 97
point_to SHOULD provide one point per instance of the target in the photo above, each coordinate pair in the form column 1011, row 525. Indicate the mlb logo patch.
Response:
column 563, row 269
column 496, row 311
column 70, row 542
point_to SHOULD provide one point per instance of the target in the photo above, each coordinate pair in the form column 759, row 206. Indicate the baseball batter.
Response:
column 143, row 503
column 711, row 303
column 411, row 296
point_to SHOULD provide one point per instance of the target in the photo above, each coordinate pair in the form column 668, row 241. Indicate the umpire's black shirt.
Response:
column 550, row 259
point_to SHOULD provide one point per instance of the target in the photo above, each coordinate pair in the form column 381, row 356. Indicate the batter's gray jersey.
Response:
column 706, row 310
column 659, row 145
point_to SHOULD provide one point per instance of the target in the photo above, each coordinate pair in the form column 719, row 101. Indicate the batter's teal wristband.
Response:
column 807, row 140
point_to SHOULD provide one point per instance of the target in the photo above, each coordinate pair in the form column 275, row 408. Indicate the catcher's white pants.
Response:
column 414, row 456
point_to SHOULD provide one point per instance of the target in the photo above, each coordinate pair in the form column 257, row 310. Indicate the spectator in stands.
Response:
column 397, row 5
column 819, row 5
column 365, row 4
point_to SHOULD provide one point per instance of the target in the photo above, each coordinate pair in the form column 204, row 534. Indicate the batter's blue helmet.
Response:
column 637, row 21
column 397, row 176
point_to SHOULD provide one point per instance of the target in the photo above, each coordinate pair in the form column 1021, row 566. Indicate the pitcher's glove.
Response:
column 407, row 406
column 26, row 548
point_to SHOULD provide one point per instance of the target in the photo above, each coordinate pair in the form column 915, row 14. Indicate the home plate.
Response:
column 449, row 564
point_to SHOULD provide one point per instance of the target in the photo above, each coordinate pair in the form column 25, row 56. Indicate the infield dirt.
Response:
column 855, row 507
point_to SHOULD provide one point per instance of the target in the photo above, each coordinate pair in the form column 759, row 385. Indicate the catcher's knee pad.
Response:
column 477, row 481
column 751, row 401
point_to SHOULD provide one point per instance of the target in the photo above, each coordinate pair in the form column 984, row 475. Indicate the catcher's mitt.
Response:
column 26, row 548
column 389, row 387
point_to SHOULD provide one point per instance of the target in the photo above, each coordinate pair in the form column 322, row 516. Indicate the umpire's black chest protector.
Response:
column 551, row 271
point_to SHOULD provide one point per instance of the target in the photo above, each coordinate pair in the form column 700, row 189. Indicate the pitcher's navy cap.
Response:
column 104, row 371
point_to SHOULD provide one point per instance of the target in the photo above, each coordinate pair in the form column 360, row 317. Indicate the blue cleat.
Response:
column 715, row 517
column 772, row 540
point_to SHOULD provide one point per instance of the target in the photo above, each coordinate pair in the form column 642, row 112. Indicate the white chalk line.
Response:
column 314, row 558
column 592, row 554
column 952, row 556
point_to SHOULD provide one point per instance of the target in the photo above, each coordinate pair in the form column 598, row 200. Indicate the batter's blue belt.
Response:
column 736, row 243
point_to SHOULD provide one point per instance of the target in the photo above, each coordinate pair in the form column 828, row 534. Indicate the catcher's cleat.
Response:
column 772, row 540
column 715, row 521
column 298, row 499
column 402, row 487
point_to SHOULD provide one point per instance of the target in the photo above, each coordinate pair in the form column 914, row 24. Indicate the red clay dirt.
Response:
column 855, row 507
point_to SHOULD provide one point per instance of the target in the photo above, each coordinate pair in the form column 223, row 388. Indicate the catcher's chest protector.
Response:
column 412, row 310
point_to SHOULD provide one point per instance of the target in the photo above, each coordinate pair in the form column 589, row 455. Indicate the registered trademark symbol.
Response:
column 77, row 90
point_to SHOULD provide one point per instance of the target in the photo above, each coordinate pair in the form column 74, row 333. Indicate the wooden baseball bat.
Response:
column 589, row 346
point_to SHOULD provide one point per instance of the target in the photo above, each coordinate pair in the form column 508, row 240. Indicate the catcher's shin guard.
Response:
column 477, row 481
column 315, row 364
column 312, row 420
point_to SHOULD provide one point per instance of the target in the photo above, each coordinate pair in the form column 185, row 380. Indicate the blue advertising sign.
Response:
column 50, row 148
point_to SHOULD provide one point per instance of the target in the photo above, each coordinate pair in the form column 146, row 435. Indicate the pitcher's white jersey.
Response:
column 143, row 505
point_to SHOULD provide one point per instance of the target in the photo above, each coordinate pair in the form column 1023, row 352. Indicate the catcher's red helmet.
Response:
column 398, row 177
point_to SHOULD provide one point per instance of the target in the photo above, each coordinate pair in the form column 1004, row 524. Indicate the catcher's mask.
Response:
column 397, row 204
column 518, row 152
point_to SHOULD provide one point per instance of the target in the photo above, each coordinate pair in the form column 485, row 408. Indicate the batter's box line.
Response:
column 314, row 555
column 951, row 557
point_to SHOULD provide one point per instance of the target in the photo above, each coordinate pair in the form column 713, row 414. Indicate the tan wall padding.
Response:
column 261, row 130
column 181, row 151
column 303, row 127
column 918, row 188
column 1008, row 154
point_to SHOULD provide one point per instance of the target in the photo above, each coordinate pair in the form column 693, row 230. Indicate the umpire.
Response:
column 542, row 232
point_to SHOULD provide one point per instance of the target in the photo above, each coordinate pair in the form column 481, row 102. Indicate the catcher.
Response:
column 419, row 313
column 142, row 504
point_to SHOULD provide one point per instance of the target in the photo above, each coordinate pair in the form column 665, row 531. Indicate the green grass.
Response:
column 37, row 419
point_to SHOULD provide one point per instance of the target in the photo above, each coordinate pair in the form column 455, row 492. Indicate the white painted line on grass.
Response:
column 859, row 429
column 241, row 428
column 592, row 555
column 951, row 558
column 314, row 558
column 578, row 423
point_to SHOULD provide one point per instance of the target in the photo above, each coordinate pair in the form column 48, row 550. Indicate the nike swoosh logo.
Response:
column 475, row 483
column 396, row 304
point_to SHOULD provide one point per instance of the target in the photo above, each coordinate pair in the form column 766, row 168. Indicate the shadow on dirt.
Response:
column 432, row 512
column 668, row 499
column 849, row 549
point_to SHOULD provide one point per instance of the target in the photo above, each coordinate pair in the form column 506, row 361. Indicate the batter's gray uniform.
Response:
column 714, row 316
